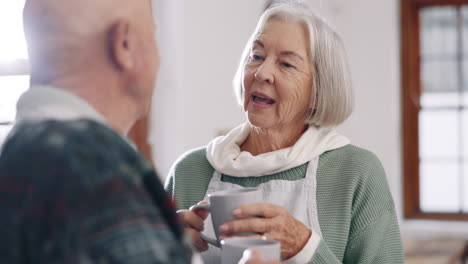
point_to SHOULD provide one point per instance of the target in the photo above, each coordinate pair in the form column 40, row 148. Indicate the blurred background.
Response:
column 409, row 67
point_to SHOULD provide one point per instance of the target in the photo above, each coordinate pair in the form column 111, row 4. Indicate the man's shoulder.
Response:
column 85, row 152
column 76, row 145
column 54, row 135
column 44, row 128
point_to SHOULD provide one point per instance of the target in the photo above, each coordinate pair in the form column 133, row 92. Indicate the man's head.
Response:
column 104, row 51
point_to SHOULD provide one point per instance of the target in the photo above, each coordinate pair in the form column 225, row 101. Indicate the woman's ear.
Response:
column 122, row 45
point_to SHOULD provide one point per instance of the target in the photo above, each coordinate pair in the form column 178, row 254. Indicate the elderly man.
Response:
column 72, row 190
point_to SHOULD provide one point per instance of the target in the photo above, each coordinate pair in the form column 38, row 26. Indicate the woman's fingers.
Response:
column 266, row 210
column 258, row 236
column 255, row 225
column 193, row 226
column 199, row 244
column 253, row 218
column 191, row 219
column 272, row 222
column 203, row 214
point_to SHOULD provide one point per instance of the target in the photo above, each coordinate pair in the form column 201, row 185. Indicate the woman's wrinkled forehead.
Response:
column 299, row 31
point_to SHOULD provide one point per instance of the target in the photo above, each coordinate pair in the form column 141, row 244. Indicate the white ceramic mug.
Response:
column 222, row 203
column 233, row 248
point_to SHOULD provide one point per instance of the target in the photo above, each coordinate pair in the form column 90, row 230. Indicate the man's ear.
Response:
column 121, row 44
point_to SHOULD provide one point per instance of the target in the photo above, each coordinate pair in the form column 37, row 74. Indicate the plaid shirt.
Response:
column 76, row 192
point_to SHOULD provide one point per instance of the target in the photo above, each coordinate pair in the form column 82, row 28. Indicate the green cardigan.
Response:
column 356, row 211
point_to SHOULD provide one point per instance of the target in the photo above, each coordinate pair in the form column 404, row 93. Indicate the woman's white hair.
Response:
column 332, row 94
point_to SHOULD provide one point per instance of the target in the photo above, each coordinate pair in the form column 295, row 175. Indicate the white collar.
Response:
column 47, row 102
column 225, row 156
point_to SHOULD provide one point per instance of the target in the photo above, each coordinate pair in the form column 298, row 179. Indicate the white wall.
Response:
column 371, row 35
column 201, row 42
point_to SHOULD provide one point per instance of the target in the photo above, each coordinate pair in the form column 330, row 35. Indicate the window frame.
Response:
column 410, row 94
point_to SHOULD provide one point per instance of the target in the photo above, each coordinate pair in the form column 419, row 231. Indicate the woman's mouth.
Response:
column 262, row 99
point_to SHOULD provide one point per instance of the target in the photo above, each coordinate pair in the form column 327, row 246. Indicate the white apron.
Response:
column 297, row 197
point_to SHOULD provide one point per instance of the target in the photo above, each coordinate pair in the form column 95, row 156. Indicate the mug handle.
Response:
column 206, row 207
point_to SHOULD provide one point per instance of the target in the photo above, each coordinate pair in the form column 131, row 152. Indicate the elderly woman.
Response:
column 326, row 200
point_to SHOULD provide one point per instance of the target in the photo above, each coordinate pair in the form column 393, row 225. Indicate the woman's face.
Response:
column 277, row 76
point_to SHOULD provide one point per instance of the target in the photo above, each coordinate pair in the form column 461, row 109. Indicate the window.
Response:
column 435, row 108
column 14, row 69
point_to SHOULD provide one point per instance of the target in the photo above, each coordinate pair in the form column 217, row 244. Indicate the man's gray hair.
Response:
column 332, row 95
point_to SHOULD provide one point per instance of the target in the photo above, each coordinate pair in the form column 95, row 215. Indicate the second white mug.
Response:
column 233, row 248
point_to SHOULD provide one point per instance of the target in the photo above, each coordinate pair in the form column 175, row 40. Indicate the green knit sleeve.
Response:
column 377, row 243
column 169, row 184
column 374, row 234
column 356, row 211
column 323, row 255
column 189, row 177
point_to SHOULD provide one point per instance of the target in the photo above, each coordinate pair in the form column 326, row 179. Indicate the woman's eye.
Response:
column 256, row 57
column 287, row 65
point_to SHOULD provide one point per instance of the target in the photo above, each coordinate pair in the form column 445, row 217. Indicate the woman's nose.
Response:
column 265, row 73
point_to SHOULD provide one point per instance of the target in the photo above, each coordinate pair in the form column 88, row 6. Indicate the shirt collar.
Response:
column 48, row 102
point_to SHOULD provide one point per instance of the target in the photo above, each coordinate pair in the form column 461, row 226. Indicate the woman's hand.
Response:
column 193, row 221
column 271, row 222
column 255, row 257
